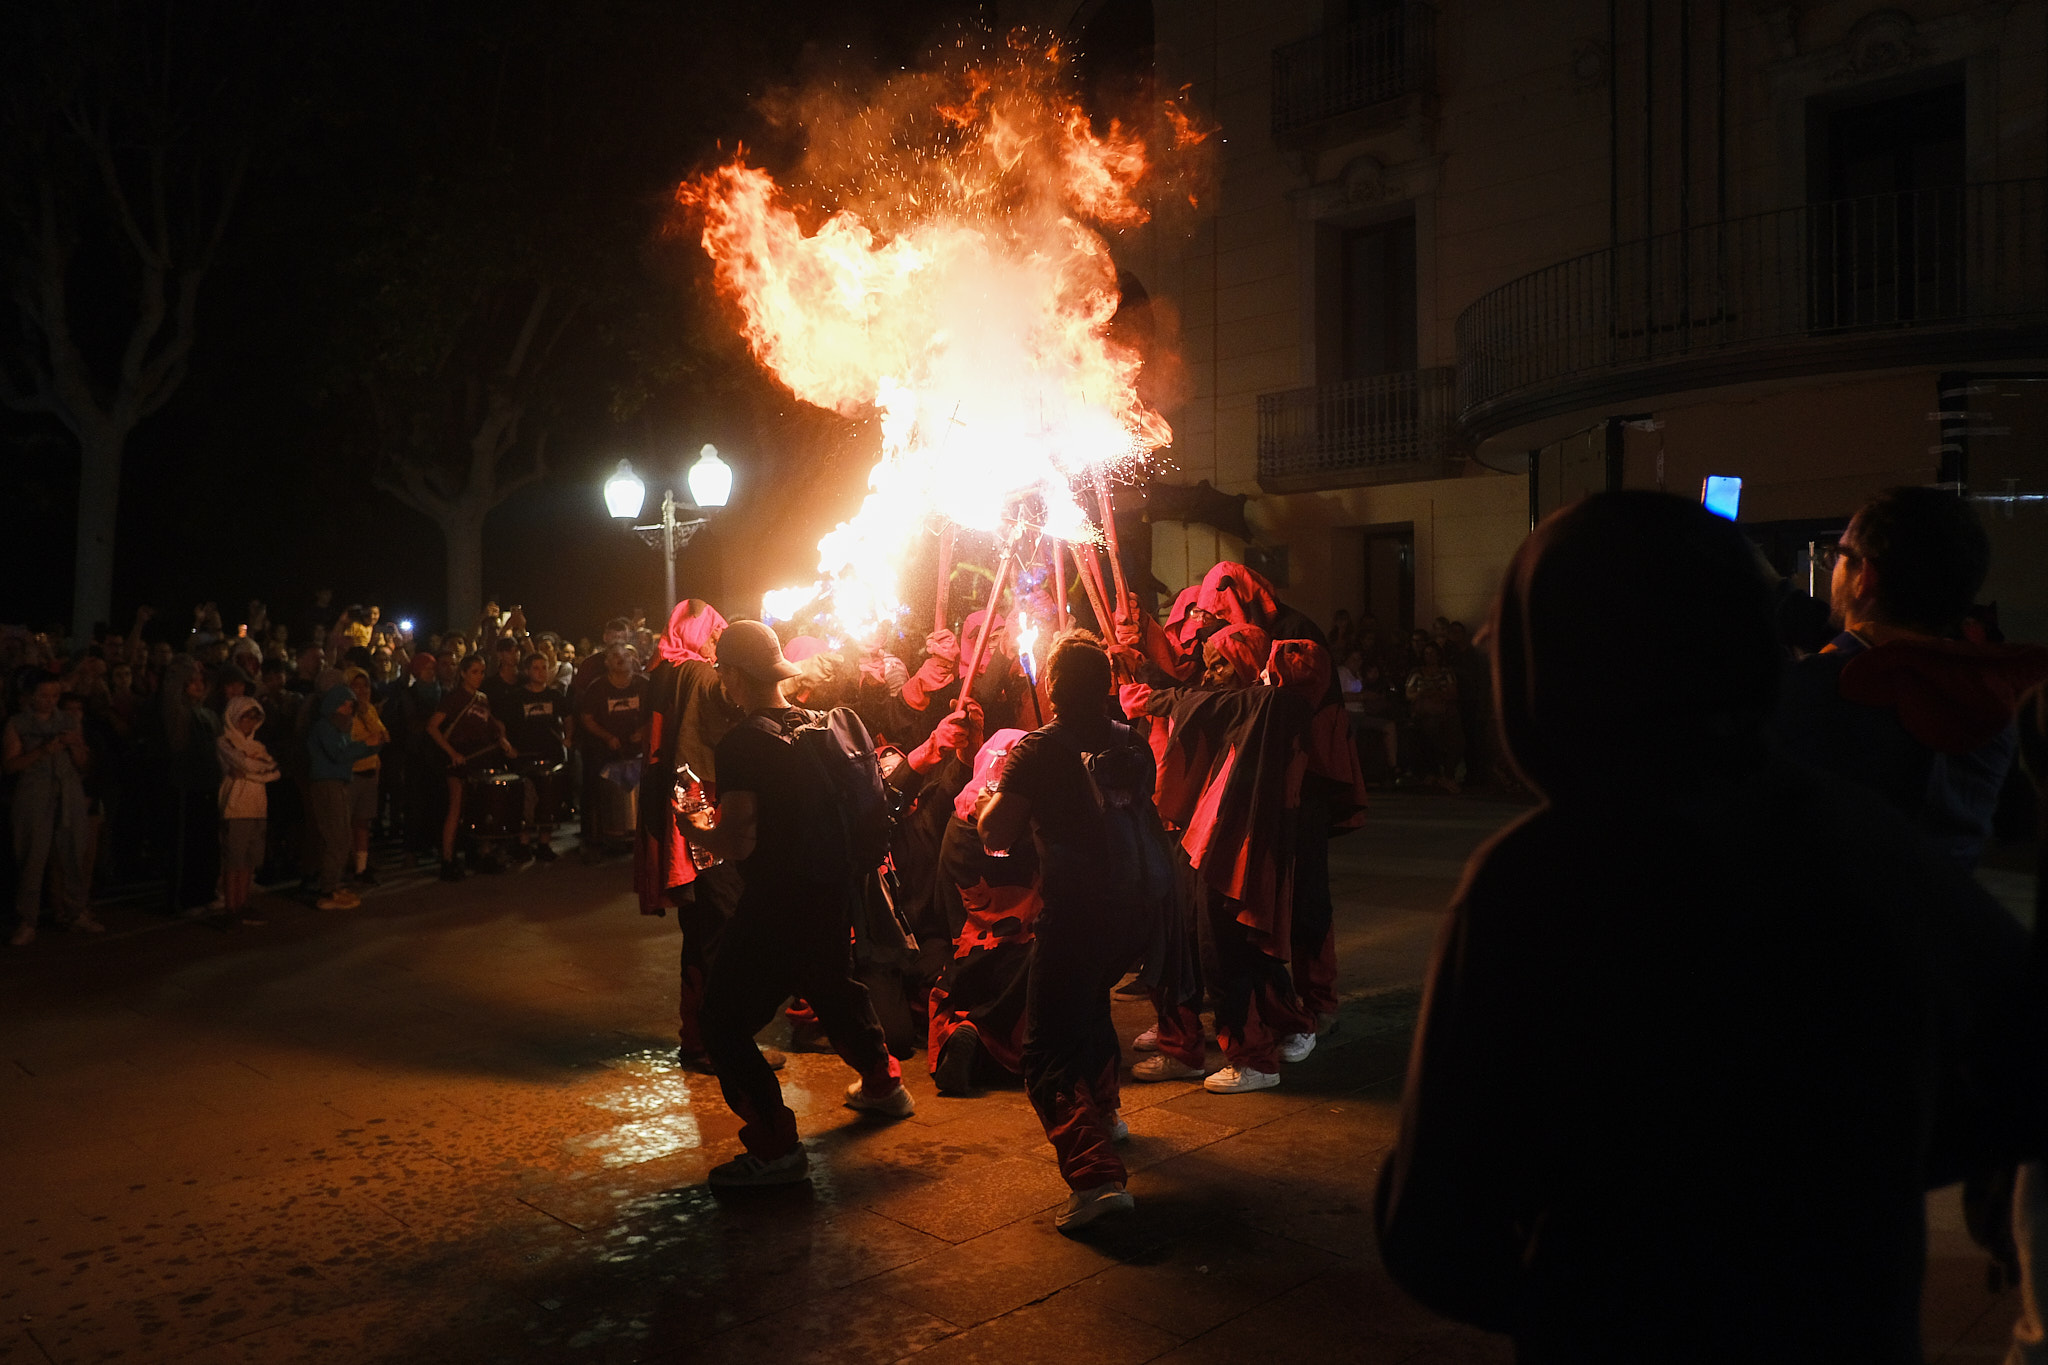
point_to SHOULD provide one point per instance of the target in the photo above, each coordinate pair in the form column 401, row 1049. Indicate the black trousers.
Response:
column 707, row 906
column 788, row 940
column 1071, row 1055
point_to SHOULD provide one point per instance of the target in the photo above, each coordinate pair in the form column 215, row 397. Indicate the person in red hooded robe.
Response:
column 691, row 713
column 1234, row 761
column 1232, row 658
column 1233, row 594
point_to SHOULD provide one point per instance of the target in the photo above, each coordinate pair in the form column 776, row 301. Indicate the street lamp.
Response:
column 710, row 481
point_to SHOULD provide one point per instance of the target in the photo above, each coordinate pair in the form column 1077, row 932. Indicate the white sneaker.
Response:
column 1233, row 1080
column 1148, row 1041
column 1085, row 1206
column 897, row 1104
column 85, row 922
column 24, row 934
column 1160, row 1067
column 1296, row 1046
column 1119, row 1131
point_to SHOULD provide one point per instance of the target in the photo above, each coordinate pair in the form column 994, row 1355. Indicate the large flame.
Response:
column 960, row 291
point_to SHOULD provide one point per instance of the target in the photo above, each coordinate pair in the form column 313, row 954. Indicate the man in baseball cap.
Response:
column 789, row 932
column 751, row 648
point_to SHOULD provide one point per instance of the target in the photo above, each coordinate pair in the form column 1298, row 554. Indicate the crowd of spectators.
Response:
column 207, row 760
column 1421, row 704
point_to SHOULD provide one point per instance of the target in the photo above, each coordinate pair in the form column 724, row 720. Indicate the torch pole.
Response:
column 1059, row 579
column 945, row 577
column 1116, row 554
column 1091, row 584
column 988, row 620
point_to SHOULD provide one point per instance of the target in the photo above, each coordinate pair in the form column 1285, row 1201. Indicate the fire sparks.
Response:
column 961, row 291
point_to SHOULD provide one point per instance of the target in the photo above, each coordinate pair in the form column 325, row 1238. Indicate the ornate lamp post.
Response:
column 710, row 483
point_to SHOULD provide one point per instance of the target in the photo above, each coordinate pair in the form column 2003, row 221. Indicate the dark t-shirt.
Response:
column 752, row 760
column 497, row 689
column 467, row 724
column 534, row 721
column 618, row 711
column 1046, row 769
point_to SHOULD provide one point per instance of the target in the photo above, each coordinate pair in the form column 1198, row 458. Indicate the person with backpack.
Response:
column 801, row 810
column 1081, row 788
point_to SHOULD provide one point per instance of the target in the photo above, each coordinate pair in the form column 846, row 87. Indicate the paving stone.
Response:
column 1203, row 1277
column 994, row 1273
column 1060, row 1330
column 854, row 1326
column 976, row 1199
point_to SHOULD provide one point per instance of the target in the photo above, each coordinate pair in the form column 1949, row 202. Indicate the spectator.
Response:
column 334, row 751
column 366, row 728
column 613, row 713
column 536, row 720
column 190, row 733
column 1688, row 1029
column 1432, row 693
column 466, row 731
column 44, row 751
column 247, row 769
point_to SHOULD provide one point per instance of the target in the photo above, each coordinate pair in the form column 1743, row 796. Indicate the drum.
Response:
column 494, row 804
column 545, row 774
column 617, row 810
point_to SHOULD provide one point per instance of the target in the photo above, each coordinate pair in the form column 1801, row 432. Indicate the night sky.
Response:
column 405, row 160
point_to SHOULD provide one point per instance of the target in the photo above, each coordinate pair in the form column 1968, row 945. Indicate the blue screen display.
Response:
column 1721, row 494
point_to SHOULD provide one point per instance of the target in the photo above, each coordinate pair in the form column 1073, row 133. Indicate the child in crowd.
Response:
column 246, row 768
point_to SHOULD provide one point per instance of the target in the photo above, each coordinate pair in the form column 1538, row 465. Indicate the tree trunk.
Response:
column 462, row 534
column 99, row 503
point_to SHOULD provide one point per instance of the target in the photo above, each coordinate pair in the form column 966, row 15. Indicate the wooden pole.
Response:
column 988, row 620
column 1059, row 581
column 1091, row 583
column 1116, row 555
column 939, row 621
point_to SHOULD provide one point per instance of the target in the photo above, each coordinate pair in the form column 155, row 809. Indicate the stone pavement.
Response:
column 445, row 1128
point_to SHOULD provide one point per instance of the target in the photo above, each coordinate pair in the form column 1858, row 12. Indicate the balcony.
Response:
column 1345, row 75
column 1387, row 429
column 1923, row 277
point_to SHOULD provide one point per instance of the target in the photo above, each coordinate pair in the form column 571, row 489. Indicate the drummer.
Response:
column 466, row 731
column 537, row 721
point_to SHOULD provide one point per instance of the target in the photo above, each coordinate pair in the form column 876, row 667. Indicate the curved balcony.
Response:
column 1946, row 276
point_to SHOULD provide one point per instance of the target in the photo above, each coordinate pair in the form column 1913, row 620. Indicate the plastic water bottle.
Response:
column 690, row 800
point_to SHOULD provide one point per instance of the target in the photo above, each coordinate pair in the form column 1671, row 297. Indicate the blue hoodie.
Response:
column 334, row 754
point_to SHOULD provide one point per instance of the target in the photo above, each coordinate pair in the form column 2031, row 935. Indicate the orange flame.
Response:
column 961, row 291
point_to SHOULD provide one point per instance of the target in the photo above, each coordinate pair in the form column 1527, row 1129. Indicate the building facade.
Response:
column 1466, row 261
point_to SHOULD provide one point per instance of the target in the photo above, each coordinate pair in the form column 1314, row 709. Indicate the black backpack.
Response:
column 1141, row 869
column 848, row 820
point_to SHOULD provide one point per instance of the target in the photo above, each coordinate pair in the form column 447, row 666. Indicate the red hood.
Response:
column 1951, row 695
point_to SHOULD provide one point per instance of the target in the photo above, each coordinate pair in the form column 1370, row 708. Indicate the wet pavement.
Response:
column 445, row 1127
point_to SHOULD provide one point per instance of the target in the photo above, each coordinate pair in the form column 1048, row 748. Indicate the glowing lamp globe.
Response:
column 710, row 479
column 624, row 493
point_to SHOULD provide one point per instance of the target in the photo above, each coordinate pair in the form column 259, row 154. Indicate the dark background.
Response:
column 548, row 137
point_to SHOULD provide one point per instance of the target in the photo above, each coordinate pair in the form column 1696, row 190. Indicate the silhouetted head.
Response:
column 1633, row 642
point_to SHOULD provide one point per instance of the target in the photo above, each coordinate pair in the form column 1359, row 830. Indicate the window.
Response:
column 1377, row 319
column 1888, row 208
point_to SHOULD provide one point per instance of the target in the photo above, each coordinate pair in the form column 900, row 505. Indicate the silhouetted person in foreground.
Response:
column 1690, row 1025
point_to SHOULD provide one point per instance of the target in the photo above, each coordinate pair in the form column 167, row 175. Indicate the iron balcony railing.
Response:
column 1793, row 288
column 1381, row 57
column 1358, row 430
